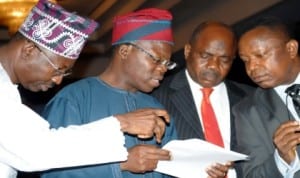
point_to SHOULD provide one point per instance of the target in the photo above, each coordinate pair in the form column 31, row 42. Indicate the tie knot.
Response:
column 206, row 92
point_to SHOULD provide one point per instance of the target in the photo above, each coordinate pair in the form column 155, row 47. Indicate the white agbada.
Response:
column 27, row 143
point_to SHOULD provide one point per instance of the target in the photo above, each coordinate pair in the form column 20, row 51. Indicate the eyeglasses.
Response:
column 167, row 63
column 58, row 71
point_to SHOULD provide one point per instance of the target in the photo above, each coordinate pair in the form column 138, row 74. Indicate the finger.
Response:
column 155, row 153
column 213, row 171
column 288, row 140
column 290, row 126
column 163, row 114
column 159, row 130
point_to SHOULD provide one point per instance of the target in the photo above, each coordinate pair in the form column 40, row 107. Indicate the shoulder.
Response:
column 251, row 100
column 77, row 88
column 239, row 87
column 171, row 83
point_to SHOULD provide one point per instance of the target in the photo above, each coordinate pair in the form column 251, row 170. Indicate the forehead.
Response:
column 261, row 36
column 215, row 39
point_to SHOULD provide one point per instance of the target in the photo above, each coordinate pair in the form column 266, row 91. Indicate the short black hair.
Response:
column 274, row 24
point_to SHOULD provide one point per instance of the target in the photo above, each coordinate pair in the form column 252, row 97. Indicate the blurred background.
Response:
column 187, row 14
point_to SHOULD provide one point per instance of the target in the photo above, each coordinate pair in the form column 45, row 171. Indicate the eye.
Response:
column 204, row 55
column 225, row 59
column 244, row 58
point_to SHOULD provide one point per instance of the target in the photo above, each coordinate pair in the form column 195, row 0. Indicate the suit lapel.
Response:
column 183, row 100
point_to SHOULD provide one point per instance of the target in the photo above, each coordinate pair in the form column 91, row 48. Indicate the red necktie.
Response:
column 210, row 123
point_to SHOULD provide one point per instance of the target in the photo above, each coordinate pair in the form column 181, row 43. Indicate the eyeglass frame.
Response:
column 165, row 62
column 55, row 67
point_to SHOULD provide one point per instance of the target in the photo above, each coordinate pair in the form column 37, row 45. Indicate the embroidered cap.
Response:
column 52, row 27
column 147, row 24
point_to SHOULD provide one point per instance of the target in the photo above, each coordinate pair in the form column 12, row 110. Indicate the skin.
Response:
column 21, row 63
column 132, row 70
column 271, row 60
column 135, row 71
column 27, row 65
column 208, row 60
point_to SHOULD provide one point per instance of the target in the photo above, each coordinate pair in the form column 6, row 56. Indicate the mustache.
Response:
column 210, row 73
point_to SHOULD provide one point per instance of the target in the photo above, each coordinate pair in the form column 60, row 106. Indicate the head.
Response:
column 270, row 53
column 50, row 40
column 143, row 47
column 210, row 53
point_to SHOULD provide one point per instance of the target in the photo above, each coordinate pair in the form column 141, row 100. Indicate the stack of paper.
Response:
column 191, row 157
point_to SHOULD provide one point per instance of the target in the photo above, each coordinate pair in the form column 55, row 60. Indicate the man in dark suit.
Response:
column 209, row 56
column 268, row 124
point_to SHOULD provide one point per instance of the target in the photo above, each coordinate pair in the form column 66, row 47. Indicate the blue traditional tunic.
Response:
column 88, row 100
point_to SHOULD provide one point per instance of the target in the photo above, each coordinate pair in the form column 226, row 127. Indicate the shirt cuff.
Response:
column 286, row 170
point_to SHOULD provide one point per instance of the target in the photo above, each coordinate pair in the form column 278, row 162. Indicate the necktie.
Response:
column 294, row 92
column 210, row 124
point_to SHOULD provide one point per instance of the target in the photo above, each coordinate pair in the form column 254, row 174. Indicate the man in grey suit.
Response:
column 268, row 125
column 209, row 56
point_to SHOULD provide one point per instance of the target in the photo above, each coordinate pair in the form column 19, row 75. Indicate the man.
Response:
column 268, row 125
column 209, row 56
column 38, row 57
column 142, row 43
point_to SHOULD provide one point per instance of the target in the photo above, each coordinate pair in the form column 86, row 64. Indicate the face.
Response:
column 41, row 69
column 145, row 65
column 210, row 58
column 268, row 57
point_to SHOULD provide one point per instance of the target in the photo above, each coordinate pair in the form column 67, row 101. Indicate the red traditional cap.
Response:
column 147, row 24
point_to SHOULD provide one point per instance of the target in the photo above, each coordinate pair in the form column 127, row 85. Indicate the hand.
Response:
column 286, row 138
column 218, row 170
column 142, row 158
column 145, row 122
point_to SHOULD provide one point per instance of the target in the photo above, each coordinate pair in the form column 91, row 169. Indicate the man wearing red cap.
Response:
column 38, row 57
column 142, row 43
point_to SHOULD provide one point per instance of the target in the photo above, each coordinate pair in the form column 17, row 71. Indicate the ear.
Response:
column 187, row 51
column 292, row 48
column 27, row 49
column 124, row 51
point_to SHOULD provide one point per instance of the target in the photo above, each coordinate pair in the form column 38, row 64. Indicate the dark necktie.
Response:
column 210, row 123
column 294, row 92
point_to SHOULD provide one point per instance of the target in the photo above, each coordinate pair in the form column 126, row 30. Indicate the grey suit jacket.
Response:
column 259, row 116
column 175, row 94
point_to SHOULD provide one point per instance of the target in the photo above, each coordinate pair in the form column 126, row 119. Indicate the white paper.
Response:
column 191, row 157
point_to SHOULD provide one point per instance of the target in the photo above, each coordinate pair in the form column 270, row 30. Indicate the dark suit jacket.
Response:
column 259, row 116
column 175, row 94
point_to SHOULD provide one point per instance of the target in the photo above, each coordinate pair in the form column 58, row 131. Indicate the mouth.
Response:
column 156, row 82
column 259, row 78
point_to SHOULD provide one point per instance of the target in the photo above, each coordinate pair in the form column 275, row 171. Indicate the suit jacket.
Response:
column 259, row 116
column 175, row 94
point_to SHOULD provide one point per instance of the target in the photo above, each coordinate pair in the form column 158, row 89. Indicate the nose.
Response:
column 252, row 64
column 162, row 68
column 213, row 62
column 57, row 79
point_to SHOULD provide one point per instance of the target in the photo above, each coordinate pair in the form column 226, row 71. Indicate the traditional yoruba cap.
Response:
column 52, row 27
column 147, row 24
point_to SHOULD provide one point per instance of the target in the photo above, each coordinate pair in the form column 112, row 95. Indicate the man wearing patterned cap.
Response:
column 142, row 46
column 38, row 57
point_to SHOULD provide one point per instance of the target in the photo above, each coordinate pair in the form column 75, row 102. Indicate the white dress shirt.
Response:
column 27, row 143
column 220, row 103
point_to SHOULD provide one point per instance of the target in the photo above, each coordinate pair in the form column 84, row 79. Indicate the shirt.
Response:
column 88, row 100
column 28, row 144
column 220, row 103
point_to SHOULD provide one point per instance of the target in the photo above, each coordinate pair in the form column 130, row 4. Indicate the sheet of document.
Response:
column 191, row 157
